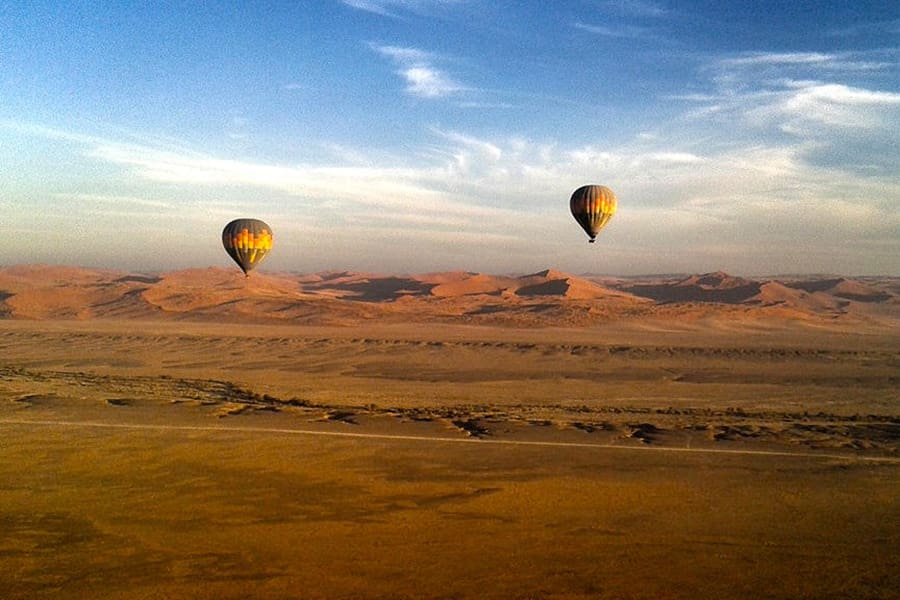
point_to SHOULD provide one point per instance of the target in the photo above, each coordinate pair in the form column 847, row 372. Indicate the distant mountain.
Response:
column 544, row 298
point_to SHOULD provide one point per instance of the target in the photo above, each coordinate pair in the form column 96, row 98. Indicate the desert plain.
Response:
column 196, row 434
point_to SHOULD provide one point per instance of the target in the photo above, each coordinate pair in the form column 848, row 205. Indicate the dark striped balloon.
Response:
column 247, row 241
column 592, row 206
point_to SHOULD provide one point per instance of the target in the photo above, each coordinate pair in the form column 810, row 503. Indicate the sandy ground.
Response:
column 176, row 460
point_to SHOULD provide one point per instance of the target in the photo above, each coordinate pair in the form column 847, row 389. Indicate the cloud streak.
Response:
column 820, row 61
column 393, row 8
column 636, row 8
column 618, row 31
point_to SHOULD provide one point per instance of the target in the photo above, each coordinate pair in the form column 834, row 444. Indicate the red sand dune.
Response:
column 844, row 288
column 474, row 284
column 545, row 298
column 774, row 293
column 711, row 287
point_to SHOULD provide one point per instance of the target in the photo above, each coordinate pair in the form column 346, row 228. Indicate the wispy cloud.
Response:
column 394, row 8
column 740, row 201
column 636, row 8
column 845, row 61
column 136, row 202
column 622, row 16
column 379, row 7
column 890, row 27
column 387, row 189
column 423, row 79
column 801, row 93
column 484, row 105
column 616, row 31
column 427, row 82
column 779, row 58
column 841, row 106
column 51, row 133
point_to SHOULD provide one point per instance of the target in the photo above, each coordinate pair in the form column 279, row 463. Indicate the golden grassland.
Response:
column 195, row 460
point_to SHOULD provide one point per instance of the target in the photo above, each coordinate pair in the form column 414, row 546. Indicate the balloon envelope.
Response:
column 592, row 206
column 247, row 241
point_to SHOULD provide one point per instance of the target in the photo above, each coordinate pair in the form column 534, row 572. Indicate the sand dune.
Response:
column 547, row 298
column 472, row 285
column 845, row 288
column 774, row 293
column 716, row 287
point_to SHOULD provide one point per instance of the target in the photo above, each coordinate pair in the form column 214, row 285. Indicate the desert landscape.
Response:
column 199, row 434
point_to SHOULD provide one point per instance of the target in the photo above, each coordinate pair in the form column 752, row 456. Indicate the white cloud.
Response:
column 683, row 158
column 819, row 62
column 840, row 105
column 393, row 8
column 138, row 203
column 868, row 28
column 779, row 58
column 52, row 133
column 624, row 14
column 404, row 55
column 850, row 96
column 398, row 191
column 379, row 7
column 802, row 94
column 422, row 78
column 483, row 105
column 636, row 8
column 752, row 204
column 426, row 82
column 616, row 31
column 484, row 149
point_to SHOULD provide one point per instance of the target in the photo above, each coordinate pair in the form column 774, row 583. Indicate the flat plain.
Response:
column 161, row 456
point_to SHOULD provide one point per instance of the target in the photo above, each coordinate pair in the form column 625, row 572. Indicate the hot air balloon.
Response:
column 247, row 241
column 592, row 206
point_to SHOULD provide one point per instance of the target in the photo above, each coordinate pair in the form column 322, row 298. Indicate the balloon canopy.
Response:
column 247, row 242
column 592, row 206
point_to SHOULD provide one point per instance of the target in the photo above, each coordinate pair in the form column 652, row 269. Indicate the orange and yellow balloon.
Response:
column 592, row 206
column 247, row 242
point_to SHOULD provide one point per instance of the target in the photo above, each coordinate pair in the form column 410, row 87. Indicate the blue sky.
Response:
column 425, row 135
